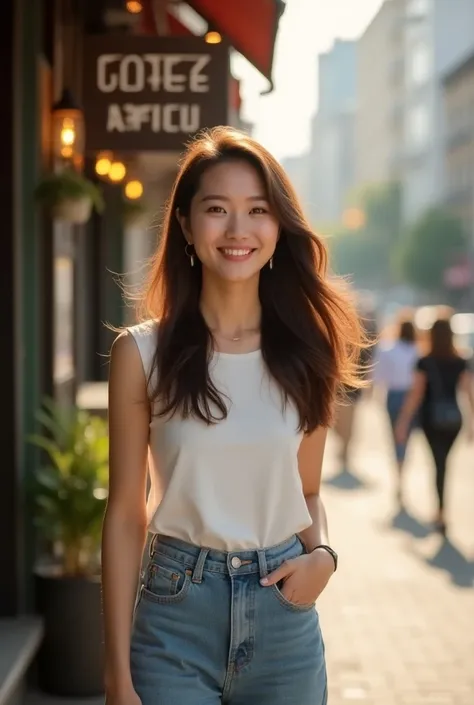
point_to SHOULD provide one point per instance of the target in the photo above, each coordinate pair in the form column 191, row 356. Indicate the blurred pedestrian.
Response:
column 346, row 409
column 440, row 376
column 227, row 386
column 394, row 365
column 344, row 424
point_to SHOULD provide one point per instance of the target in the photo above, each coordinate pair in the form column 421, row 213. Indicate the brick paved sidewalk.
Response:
column 398, row 619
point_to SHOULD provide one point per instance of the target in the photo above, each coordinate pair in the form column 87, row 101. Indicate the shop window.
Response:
column 419, row 65
column 417, row 126
column 418, row 8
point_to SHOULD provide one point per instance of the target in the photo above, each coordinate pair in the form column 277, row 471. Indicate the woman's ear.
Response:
column 183, row 221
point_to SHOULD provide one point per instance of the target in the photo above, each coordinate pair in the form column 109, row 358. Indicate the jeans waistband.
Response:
column 198, row 559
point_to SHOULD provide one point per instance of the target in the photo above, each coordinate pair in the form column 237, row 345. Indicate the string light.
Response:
column 134, row 190
column 213, row 37
column 134, row 7
column 117, row 172
column 103, row 164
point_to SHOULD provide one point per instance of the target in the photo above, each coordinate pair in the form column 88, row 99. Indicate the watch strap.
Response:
column 331, row 552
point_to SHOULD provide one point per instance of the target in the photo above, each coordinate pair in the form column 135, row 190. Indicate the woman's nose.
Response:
column 237, row 227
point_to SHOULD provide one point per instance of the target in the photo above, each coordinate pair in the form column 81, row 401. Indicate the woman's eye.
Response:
column 258, row 211
column 215, row 209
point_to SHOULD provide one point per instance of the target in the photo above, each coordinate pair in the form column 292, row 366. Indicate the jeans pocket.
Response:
column 277, row 591
column 166, row 581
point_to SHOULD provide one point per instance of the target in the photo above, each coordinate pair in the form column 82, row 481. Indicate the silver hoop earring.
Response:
column 270, row 263
column 189, row 254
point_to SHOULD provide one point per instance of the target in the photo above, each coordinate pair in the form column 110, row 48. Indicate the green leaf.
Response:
column 69, row 507
column 68, row 184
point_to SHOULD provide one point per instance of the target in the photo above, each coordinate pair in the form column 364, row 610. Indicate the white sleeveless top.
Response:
column 233, row 485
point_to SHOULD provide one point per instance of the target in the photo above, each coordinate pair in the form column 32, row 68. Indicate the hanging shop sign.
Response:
column 152, row 93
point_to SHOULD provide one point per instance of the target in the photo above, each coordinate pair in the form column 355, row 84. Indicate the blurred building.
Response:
column 337, row 79
column 438, row 34
column 380, row 96
column 402, row 59
column 459, row 111
column 332, row 151
column 298, row 170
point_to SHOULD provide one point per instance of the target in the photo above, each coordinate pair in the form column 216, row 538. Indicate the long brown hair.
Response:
column 310, row 333
column 441, row 339
column 407, row 331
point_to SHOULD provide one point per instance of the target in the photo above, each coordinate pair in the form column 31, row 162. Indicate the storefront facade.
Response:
column 58, row 281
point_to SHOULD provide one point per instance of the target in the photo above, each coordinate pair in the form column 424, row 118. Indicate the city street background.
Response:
column 398, row 617
column 369, row 107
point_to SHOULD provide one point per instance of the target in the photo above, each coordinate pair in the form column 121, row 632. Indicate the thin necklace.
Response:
column 236, row 338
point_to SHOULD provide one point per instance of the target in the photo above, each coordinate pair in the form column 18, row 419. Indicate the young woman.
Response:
column 439, row 377
column 227, row 388
column 393, row 371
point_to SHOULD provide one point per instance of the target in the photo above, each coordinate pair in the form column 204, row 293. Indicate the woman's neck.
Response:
column 231, row 309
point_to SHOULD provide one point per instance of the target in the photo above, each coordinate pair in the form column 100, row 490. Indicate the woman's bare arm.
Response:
column 306, row 576
column 413, row 400
column 124, row 528
column 310, row 462
column 466, row 387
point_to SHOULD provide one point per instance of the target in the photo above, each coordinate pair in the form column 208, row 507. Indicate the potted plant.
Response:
column 134, row 213
column 69, row 196
column 69, row 495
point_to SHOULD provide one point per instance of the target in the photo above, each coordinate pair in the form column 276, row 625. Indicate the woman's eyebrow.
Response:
column 217, row 197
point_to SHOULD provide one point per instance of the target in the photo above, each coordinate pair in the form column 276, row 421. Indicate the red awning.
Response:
column 148, row 24
column 250, row 26
column 177, row 29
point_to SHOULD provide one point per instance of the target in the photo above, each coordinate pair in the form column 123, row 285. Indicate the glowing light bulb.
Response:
column 117, row 171
column 134, row 7
column 213, row 37
column 133, row 190
column 102, row 166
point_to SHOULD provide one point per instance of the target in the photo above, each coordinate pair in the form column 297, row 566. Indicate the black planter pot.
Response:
column 70, row 660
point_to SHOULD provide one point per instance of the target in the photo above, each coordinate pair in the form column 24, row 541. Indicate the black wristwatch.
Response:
column 331, row 552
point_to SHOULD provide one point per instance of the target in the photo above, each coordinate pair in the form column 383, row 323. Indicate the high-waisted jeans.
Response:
column 206, row 632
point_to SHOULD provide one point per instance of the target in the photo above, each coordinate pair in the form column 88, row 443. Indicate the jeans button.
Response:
column 236, row 562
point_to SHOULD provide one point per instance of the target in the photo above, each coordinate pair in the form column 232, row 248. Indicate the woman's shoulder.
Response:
column 461, row 363
column 145, row 330
column 385, row 348
column 395, row 349
column 422, row 362
column 452, row 362
column 145, row 335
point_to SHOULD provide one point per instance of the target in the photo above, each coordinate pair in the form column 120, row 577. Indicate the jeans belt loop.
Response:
column 199, row 567
column 262, row 563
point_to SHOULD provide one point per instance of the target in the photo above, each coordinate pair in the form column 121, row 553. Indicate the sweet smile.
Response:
column 236, row 253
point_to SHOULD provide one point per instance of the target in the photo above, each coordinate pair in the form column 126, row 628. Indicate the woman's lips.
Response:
column 236, row 254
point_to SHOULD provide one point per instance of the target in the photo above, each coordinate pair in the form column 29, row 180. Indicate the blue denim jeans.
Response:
column 206, row 632
column 395, row 400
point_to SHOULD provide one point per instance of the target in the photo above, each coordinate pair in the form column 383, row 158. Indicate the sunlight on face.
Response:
column 231, row 226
